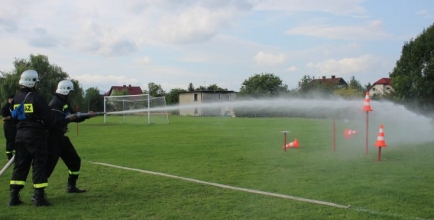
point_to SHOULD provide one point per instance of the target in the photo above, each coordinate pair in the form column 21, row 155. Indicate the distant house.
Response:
column 201, row 103
column 130, row 90
column 333, row 81
column 380, row 87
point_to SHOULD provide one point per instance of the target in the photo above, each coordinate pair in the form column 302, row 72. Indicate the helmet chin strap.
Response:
column 62, row 96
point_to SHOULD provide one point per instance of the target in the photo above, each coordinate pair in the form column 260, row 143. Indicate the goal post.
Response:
column 141, row 108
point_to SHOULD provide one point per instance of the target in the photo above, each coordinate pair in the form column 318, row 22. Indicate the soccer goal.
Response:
column 141, row 108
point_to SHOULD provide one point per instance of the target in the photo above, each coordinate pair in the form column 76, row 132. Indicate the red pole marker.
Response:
column 380, row 142
column 284, row 140
column 367, row 108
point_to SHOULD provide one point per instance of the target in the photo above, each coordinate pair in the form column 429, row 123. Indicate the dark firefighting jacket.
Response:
column 61, row 107
column 39, row 116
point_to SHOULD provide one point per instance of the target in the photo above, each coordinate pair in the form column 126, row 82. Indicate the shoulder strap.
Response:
column 26, row 96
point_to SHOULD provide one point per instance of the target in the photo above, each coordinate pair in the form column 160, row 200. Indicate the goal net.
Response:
column 141, row 108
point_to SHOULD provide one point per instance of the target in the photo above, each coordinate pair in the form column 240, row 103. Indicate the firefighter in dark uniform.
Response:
column 31, row 146
column 9, row 128
column 58, row 143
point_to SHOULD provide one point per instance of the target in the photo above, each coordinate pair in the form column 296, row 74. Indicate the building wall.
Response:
column 206, row 98
column 380, row 89
column 193, row 99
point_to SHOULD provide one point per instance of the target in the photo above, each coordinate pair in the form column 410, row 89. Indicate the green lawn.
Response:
column 235, row 152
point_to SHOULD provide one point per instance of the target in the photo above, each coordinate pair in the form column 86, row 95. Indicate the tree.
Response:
column 190, row 87
column 49, row 75
column 155, row 90
column 368, row 86
column 304, row 84
column 77, row 97
column 353, row 90
column 413, row 76
column 8, row 85
column 215, row 87
column 172, row 97
column 201, row 88
column 119, row 92
column 355, row 84
column 263, row 85
column 93, row 99
column 348, row 92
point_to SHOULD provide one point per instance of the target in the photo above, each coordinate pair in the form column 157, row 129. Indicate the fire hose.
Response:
column 6, row 167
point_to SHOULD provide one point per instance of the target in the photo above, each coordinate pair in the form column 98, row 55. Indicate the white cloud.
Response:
column 338, row 7
column 371, row 31
column 104, row 81
column 345, row 66
column 292, row 69
column 143, row 60
column 425, row 14
column 269, row 59
column 194, row 25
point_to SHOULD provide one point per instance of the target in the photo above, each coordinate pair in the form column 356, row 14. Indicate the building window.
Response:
column 195, row 97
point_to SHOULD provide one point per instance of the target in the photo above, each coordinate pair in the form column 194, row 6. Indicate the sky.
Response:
column 173, row 43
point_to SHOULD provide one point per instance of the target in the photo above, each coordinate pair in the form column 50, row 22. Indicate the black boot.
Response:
column 72, row 181
column 15, row 197
column 40, row 198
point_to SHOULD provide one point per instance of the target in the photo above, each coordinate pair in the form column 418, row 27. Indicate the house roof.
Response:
column 383, row 81
column 131, row 90
column 332, row 80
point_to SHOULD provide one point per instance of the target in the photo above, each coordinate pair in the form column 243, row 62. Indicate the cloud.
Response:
column 143, row 60
column 9, row 14
column 194, row 25
column 104, row 40
column 8, row 25
column 425, row 14
column 371, row 31
column 292, row 69
column 40, row 38
column 269, row 59
column 104, row 81
column 345, row 66
column 337, row 7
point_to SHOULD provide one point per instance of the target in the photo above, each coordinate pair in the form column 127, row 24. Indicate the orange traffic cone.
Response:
column 348, row 133
column 380, row 140
column 293, row 144
column 367, row 105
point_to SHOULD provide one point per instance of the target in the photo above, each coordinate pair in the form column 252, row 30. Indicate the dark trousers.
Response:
column 10, row 132
column 61, row 146
column 33, row 155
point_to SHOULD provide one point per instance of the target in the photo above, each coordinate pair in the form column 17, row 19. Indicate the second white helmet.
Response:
column 29, row 78
column 64, row 87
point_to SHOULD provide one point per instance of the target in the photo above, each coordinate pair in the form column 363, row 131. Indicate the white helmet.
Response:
column 29, row 78
column 64, row 87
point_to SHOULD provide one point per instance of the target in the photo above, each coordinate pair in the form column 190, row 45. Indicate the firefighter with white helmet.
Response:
column 9, row 128
column 58, row 143
column 31, row 147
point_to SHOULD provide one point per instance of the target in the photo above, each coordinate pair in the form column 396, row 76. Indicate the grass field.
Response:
column 244, row 153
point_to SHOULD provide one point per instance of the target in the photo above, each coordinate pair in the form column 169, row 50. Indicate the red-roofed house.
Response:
column 130, row 90
column 382, row 86
column 333, row 81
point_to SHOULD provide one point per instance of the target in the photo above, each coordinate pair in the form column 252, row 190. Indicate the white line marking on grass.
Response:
column 261, row 192
column 229, row 187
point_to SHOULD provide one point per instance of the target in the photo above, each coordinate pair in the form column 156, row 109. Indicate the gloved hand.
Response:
column 73, row 117
column 9, row 155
